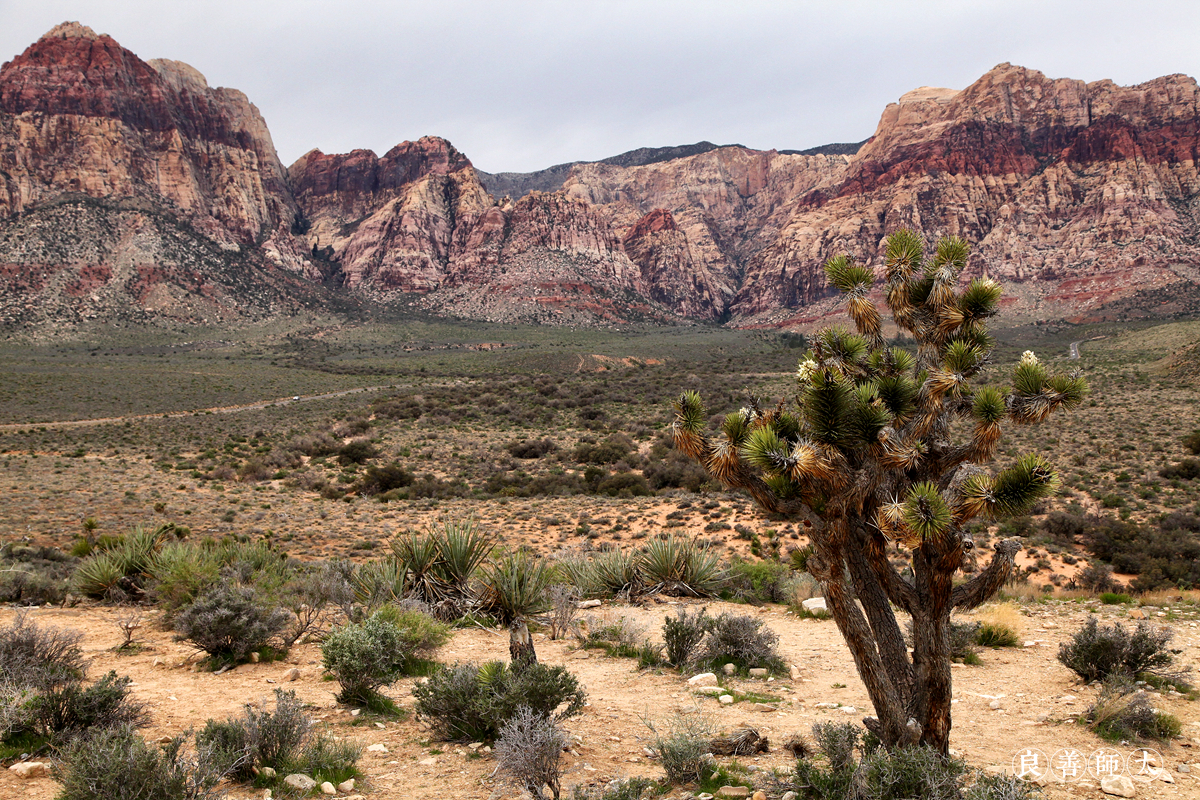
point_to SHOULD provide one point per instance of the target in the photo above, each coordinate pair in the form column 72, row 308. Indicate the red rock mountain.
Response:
column 131, row 190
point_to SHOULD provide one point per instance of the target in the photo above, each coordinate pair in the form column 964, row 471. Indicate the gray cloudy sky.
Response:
column 519, row 85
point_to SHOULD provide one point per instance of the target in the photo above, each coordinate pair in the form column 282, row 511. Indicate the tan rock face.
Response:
column 79, row 113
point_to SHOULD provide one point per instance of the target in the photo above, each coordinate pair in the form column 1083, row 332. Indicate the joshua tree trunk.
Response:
column 520, row 645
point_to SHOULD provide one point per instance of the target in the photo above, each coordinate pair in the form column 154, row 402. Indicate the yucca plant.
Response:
column 678, row 566
column 868, row 453
column 379, row 582
column 614, row 572
column 441, row 565
column 126, row 566
column 517, row 586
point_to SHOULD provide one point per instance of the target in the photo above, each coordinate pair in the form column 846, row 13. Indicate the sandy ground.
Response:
column 1037, row 697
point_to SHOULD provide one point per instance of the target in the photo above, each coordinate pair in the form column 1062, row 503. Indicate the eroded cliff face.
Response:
column 82, row 120
column 1074, row 195
column 418, row 220
column 1081, row 198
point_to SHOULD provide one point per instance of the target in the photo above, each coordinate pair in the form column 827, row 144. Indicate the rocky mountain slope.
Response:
column 127, row 184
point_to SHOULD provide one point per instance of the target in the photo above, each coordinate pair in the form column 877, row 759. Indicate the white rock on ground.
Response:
column 703, row 679
column 726, row 700
column 1117, row 785
column 301, row 783
column 30, row 769
column 327, row 788
column 814, row 604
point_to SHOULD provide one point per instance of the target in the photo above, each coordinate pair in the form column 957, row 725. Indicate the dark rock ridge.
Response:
column 132, row 190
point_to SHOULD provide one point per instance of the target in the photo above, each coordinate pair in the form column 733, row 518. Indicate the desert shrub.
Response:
column 1095, row 652
column 614, row 572
column 39, row 658
column 996, row 634
column 624, row 484
column 683, row 746
column 229, row 747
column 282, row 739
column 315, row 445
column 1188, row 469
column 69, row 710
column 683, row 634
column 531, row 449
column 1191, row 442
column 564, row 603
column 742, row 639
column 529, row 751
column 516, row 586
column 901, row 774
column 380, row 479
column 1001, row 787
column 908, row 772
column 34, row 575
column 366, row 656
column 1122, row 712
column 762, row 581
column 179, row 572
column 313, row 594
column 357, row 451
column 609, row 451
column 675, row 471
column 469, row 702
column 229, row 622
column 117, row 764
column 1097, row 578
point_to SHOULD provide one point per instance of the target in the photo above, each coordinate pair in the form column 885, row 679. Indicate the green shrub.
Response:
column 908, row 772
column 367, row 656
column 229, row 623
column 229, row 747
column 39, row 658
column 1122, row 712
column 179, row 572
column 683, row 634
column 1192, row 442
column 117, row 764
column 1113, row 598
column 995, row 634
column 69, row 710
column 468, row 702
column 1096, row 652
column 762, row 581
column 742, row 639
column 683, row 747
column 623, row 789
column 121, row 569
column 1188, row 469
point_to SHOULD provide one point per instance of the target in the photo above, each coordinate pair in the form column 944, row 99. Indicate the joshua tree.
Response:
column 884, row 444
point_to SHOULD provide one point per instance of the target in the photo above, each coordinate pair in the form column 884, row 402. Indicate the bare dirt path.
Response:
column 279, row 401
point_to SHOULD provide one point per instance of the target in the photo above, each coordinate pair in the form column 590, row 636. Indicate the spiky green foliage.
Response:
column 516, row 586
column 869, row 452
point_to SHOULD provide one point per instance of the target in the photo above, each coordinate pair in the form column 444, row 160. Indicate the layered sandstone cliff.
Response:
column 127, row 184
column 1074, row 195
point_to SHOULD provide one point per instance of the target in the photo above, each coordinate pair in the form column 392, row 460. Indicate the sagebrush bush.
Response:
column 1122, row 712
column 683, row 634
column 683, row 747
column 367, row 656
column 70, row 710
column 1095, row 652
column 37, row 657
column 742, row 639
column 529, row 751
column 229, row 623
column 117, row 764
column 469, row 702
column 282, row 739
column 623, row 789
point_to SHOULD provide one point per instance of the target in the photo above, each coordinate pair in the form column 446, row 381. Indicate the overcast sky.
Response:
column 519, row 85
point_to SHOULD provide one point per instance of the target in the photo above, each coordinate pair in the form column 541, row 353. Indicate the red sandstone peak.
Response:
column 656, row 221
